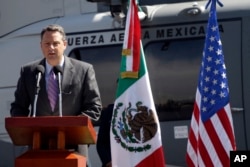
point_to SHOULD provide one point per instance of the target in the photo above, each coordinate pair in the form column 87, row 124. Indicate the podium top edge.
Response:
column 47, row 121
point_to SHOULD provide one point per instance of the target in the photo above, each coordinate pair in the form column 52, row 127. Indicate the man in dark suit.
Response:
column 80, row 93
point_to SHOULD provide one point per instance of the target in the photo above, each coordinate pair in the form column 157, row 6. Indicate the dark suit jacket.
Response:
column 80, row 93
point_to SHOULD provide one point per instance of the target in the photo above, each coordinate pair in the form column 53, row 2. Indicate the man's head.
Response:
column 53, row 43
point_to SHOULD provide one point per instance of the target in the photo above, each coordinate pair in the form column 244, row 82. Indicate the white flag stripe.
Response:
column 126, row 37
column 229, row 113
column 129, row 63
column 195, row 126
column 200, row 164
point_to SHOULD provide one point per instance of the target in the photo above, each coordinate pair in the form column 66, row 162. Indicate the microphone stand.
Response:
column 36, row 95
column 34, row 106
column 58, row 70
column 60, row 93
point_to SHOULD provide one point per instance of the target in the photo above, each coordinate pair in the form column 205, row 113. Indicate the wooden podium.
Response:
column 55, row 133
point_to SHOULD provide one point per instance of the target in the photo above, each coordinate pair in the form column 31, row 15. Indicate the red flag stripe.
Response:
column 134, row 36
column 155, row 159
column 197, row 148
column 130, row 30
column 217, row 143
column 189, row 161
column 193, row 139
column 203, row 155
column 137, row 37
column 192, row 152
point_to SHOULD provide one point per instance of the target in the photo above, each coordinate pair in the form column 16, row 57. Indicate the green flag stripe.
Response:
column 125, row 83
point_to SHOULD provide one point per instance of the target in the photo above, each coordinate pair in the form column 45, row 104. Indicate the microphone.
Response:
column 39, row 72
column 59, row 71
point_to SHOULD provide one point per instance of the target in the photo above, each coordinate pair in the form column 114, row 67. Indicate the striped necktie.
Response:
column 52, row 89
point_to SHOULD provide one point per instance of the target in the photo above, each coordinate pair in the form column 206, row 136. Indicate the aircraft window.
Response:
column 173, row 70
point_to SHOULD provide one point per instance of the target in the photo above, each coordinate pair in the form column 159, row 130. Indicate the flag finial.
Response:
column 214, row 1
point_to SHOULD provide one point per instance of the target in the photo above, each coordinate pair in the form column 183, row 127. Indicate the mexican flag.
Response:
column 135, row 131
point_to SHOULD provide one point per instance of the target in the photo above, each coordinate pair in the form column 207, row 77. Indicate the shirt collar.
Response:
column 49, row 67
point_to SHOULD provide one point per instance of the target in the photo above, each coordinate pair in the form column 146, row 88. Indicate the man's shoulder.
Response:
column 33, row 64
column 76, row 62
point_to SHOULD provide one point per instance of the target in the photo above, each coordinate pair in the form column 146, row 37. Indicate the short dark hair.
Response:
column 54, row 27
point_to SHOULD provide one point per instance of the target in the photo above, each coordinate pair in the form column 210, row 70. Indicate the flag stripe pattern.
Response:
column 131, row 45
column 135, row 130
column 211, row 136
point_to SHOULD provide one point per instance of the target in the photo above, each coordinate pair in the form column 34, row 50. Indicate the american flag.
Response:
column 211, row 136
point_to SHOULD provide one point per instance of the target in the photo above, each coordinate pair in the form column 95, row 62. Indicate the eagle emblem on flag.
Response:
column 134, row 125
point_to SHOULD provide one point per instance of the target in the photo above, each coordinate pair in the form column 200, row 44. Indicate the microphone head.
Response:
column 40, row 68
column 58, row 69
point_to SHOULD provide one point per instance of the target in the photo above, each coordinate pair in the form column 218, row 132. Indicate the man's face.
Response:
column 53, row 46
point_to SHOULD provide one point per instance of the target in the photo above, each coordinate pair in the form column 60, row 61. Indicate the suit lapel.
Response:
column 67, row 75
